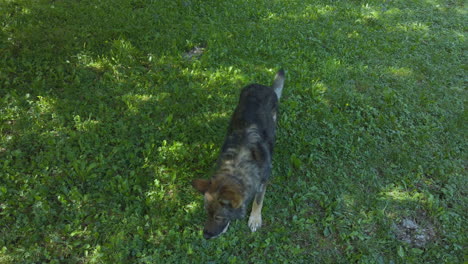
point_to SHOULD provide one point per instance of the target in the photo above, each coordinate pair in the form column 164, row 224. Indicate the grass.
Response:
column 106, row 116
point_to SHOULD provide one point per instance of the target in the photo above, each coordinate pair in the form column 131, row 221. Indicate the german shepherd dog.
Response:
column 244, row 164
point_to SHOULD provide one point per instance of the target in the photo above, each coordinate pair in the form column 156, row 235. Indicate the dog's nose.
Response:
column 207, row 234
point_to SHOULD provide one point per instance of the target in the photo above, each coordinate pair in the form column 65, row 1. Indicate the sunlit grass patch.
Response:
column 398, row 194
column 401, row 72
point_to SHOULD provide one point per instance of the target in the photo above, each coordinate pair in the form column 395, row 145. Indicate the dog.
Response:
column 244, row 164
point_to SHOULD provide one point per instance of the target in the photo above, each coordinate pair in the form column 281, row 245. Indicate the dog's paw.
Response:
column 255, row 222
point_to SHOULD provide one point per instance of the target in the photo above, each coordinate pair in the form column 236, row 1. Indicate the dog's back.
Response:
column 254, row 118
column 247, row 151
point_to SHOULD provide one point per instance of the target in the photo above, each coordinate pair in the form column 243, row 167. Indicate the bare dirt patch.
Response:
column 194, row 53
column 415, row 234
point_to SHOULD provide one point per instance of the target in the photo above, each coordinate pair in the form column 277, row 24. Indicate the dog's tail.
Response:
column 278, row 83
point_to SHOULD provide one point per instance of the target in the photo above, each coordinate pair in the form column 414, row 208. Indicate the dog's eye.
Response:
column 225, row 202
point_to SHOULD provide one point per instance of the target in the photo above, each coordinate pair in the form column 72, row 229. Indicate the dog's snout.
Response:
column 207, row 234
column 214, row 231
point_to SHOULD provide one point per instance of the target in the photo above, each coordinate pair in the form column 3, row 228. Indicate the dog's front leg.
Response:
column 255, row 219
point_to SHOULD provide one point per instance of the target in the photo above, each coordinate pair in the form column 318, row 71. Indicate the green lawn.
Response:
column 109, row 109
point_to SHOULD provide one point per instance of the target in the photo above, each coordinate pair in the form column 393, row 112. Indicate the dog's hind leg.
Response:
column 255, row 219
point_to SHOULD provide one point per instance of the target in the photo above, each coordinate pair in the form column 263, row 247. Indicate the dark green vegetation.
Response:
column 108, row 111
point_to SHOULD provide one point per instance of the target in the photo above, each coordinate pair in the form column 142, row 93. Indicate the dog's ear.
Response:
column 201, row 185
column 230, row 195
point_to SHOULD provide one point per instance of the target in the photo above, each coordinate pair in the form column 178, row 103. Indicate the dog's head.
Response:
column 223, row 203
